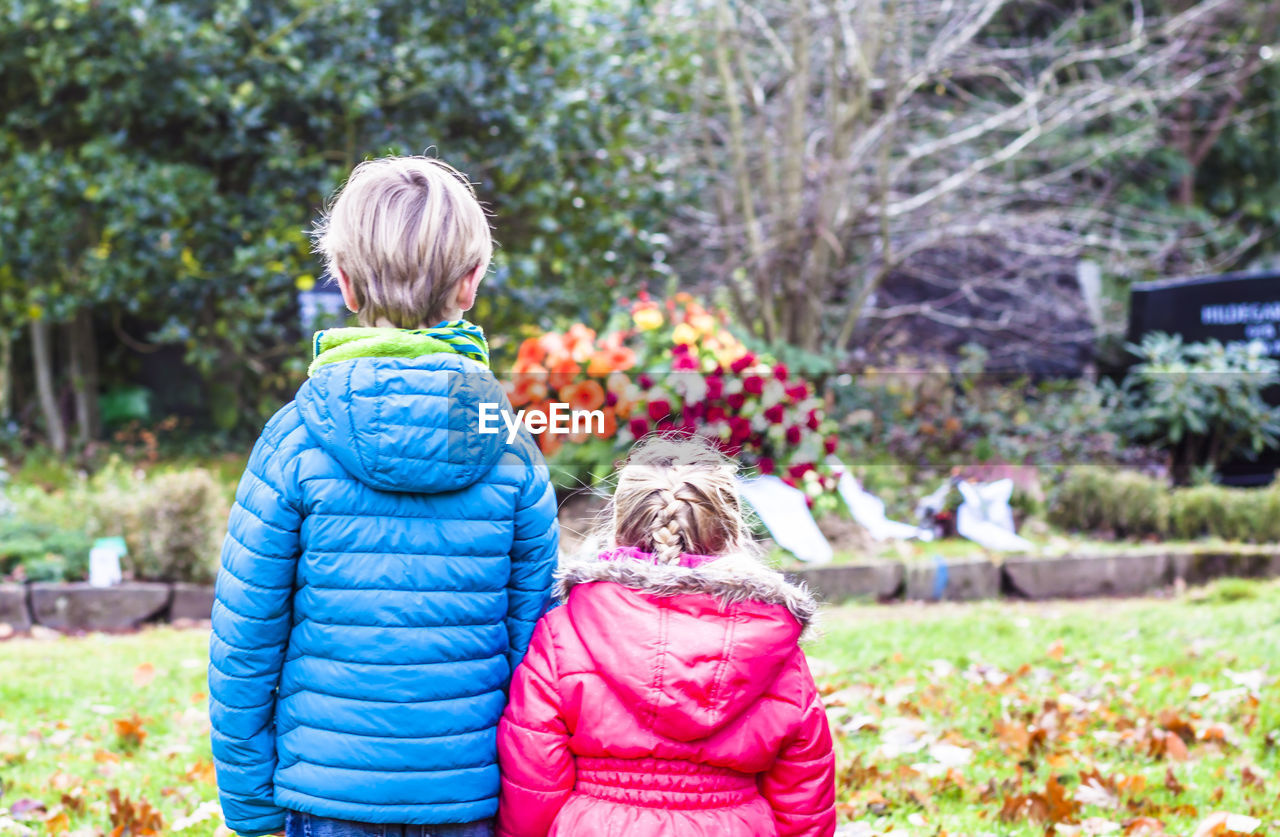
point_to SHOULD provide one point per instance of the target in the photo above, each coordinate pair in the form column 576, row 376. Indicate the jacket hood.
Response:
column 692, row 649
column 408, row 424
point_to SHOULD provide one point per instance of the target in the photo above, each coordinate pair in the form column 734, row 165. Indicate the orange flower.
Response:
column 610, row 424
column 584, row 395
column 610, row 359
column 563, row 370
column 524, row 367
column 527, row 388
column 580, row 341
column 531, row 352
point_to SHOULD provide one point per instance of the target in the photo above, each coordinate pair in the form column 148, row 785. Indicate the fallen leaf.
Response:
column 1223, row 824
column 1144, row 827
column 129, row 732
column 143, row 675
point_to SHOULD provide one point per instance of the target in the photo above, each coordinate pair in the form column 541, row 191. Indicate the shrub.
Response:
column 173, row 524
column 1201, row 401
column 41, row 552
column 1129, row 504
column 1110, row 501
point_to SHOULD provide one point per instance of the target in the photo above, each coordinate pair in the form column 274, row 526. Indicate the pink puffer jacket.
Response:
column 668, row 701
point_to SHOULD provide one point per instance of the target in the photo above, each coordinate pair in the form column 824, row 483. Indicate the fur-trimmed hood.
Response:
column 732, row 578
column 696, row 647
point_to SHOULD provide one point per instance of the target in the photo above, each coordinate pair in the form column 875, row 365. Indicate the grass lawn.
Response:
column 996, row 719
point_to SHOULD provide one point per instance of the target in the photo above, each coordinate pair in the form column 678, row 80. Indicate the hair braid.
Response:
column 668, row 535
column 677, row 496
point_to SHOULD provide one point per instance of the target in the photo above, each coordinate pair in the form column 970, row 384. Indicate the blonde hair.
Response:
column 676, row 495
column 404, row 230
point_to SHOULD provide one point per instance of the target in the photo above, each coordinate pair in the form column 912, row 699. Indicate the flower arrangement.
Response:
column 675, row 366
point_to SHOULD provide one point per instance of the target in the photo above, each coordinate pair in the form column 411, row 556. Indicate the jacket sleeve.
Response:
column 534, row 553
column 533, row 746
column 801, row 785
column 252, row 614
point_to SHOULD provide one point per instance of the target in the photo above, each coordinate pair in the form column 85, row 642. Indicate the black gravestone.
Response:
column 1232, row 308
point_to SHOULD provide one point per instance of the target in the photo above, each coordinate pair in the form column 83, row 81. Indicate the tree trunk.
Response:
column 6, row 378
column 83, row 351
column 42, row 355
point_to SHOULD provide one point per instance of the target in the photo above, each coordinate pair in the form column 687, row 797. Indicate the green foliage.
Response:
column 162, row 160
column 173, row 522
column 1116, row 503
column 1107, row 500
column 41, row 552
column 1202, row 401
column 934, row 416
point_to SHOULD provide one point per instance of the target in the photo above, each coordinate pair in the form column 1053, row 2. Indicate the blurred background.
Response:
column 923, row 220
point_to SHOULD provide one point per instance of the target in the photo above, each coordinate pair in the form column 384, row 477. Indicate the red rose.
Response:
column 715, row 387
column 830, row 444
column 767, row 466
column 715, row 413
column 814, row 420
column 610, row 399
column 658, row 409
column 753, row 384
column 743, row 362
column 739, row 428
column 693, row 411
column 793, row 435
column 644, row 381
column 736, row 400
column 780, row 372
column 684, row 363
column 639, row 427
column 775, row 414
column 799, row 392
column 798, row 471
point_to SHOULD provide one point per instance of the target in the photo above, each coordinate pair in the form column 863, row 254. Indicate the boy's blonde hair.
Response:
column 676, row 495
column 404, row 230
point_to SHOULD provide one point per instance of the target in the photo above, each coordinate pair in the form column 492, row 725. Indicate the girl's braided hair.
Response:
column 676, row 495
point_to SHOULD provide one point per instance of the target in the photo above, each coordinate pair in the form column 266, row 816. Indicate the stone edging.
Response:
column 76, row 607
column 1029, row 577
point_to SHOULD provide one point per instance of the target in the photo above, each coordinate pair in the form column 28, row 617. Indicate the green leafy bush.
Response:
column 1110, row 502
column 175, row 527
column 41, row 552
column 1201, row 401
column 173, row 522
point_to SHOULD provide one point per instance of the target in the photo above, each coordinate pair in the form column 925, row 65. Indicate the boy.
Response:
column 385, row 563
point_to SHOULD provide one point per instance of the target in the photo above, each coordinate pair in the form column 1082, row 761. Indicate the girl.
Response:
column 668, row 696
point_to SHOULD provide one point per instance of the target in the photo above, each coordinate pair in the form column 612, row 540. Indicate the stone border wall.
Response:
column 1029, row 577
column 77, row 607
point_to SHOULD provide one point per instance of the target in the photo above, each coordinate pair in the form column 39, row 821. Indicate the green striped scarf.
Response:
column 458, row 337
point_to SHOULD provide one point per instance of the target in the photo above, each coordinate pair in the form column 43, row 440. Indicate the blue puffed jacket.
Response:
column 384, row 567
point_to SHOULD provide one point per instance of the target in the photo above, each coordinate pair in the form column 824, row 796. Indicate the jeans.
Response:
column 308, row 825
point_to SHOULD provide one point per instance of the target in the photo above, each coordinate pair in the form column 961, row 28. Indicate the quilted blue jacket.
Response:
column 383, row 570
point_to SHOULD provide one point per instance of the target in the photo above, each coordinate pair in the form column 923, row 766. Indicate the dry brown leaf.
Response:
column 129, row 732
